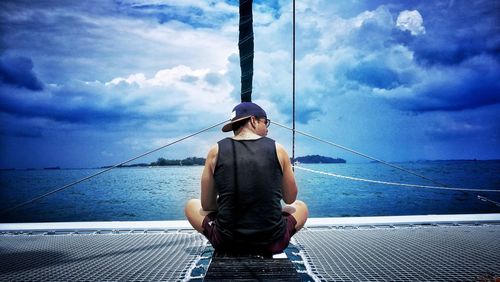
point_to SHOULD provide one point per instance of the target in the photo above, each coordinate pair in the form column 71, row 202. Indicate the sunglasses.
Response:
column 267, row 121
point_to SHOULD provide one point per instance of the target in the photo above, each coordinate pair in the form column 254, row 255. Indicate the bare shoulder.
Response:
column 282, row 156
column 214, row 150
column 281, row 150
column 212, row 157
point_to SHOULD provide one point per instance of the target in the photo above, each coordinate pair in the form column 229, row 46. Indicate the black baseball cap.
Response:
column 242, row 111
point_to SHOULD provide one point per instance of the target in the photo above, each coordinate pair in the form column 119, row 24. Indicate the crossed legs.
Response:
column 195, row 214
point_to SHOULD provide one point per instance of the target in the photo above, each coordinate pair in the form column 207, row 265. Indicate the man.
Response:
column 242, row 185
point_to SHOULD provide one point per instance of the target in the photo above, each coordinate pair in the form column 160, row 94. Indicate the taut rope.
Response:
column 441, row 186
column 393, row 183
column 360, row 154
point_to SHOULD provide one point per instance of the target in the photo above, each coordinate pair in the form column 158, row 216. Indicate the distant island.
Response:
column 317, row 159
column 310, row 159
column 165, row 162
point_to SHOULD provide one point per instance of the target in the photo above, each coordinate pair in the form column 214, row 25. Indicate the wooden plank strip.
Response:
column 251, row 268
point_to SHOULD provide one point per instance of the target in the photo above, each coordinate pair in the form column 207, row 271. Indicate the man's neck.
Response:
column 246, row 134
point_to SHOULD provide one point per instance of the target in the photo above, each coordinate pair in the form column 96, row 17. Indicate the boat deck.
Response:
column 429, row 248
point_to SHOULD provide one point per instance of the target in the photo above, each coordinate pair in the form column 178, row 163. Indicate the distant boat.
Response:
column 51, row 168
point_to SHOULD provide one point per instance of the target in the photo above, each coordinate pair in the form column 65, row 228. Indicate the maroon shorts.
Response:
column 210, row 231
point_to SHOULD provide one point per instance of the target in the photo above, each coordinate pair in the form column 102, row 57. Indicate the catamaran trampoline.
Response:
column 401, row 248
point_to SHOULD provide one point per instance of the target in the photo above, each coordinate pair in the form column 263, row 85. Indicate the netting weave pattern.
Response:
column 420, row 253
column 98, row 257
column 433, row 253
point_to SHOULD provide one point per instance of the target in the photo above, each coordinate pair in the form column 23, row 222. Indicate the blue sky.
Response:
column 91, row 83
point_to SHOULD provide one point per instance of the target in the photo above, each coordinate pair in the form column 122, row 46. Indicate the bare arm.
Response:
column 289, row 188
column 208, row 190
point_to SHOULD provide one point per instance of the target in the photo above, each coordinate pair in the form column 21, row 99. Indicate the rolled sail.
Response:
column 246, row 47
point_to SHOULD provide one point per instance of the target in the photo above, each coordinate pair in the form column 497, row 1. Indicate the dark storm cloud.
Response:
column 461, row 44
column 374, row 75
column 202, row 15
column 18, row 71
column 78, row 104
column 457, row 31
column 14, row 127
column 58, row 109
column 463, row 89
column 166, row 13
column 59, row 36
column 305, row 114
column 452, row 65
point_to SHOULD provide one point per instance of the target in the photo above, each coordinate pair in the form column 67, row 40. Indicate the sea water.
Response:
column 159, row 193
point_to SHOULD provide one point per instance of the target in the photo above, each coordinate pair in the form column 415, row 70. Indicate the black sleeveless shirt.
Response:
column 248, row 179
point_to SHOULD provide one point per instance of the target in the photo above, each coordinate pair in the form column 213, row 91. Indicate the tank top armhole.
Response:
column 216, row 165
column 276, row 155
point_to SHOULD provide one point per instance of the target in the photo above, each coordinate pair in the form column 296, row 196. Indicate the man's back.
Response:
column 248, row 179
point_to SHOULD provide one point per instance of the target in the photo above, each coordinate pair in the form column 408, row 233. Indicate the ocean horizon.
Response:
column 160, row 192
column 132, row 165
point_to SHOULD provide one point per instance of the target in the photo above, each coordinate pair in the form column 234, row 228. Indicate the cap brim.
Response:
column 229, row 126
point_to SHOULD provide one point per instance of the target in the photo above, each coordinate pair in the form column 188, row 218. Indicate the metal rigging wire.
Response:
column 361, row 154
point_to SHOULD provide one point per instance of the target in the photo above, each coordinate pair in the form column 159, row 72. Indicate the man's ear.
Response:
column 253, row 122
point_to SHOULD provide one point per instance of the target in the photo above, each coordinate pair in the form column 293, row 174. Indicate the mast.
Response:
column 246, row 47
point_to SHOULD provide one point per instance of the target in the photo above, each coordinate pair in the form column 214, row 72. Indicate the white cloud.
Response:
column 411, row 21
column 192, row 91
column 138, row 78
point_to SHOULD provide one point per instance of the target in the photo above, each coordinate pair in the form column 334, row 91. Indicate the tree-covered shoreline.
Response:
column 317, row 159
column 309, row 159
column 166, row 162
